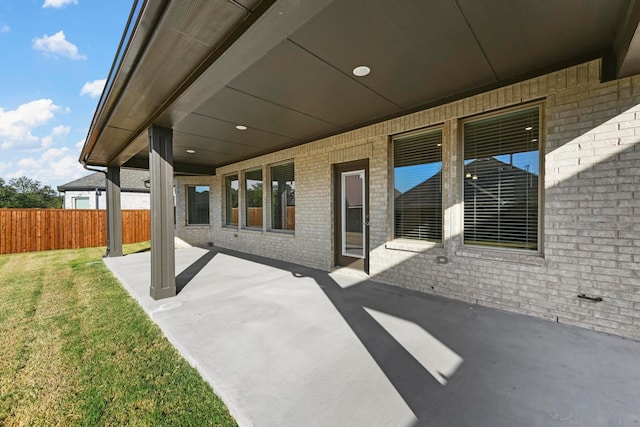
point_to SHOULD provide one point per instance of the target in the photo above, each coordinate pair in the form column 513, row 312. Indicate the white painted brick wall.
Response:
column 127, row 200
column 591, row 206
column 133, row 201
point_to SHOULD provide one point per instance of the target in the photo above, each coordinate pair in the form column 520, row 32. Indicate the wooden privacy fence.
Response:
column 254, row 217
column 28, row 230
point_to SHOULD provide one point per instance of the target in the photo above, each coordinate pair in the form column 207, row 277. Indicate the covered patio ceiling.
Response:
column 283, row 68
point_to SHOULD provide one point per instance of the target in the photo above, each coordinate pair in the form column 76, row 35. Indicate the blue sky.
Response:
column 55, row 57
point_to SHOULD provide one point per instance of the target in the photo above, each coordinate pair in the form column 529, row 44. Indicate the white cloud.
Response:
column 58, row 3
column 80, row 144
column 46, row 141
column 4, row 166
column 60, row 130
column 94, row 88
column 57, row 45
column 55, row 166
column 27, row 163
column 55, row 132
column 16, row 126
column 4, row 28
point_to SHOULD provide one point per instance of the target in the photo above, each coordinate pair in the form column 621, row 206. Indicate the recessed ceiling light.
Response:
column 528, row 128
column 191, row 151
column 241, row 127
column 361, row 71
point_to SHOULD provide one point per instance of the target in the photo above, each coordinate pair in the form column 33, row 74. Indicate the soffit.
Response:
column 183, row 37
column 519, row 35
column 418, row 51
column 299, row 85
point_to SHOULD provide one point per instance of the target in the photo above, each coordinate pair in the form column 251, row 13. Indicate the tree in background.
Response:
column 254, row 195
column 25, row 192
column 7, row 194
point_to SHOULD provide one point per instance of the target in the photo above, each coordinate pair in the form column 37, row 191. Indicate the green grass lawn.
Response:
column 76, row 349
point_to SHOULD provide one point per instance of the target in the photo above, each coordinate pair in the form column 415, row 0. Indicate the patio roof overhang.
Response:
column 283, row 68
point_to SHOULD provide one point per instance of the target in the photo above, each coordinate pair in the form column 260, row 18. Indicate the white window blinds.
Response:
column 417, row 172
column 501, row 178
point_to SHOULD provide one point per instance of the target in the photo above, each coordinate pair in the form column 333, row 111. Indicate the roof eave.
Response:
column 140, row 26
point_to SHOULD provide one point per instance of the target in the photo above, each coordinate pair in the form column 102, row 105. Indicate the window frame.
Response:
column 245, row 199
column 269, row 179
column 227, row 222
column 186, row 217
column 460, row 176
column 75, row 199
column 394, row 138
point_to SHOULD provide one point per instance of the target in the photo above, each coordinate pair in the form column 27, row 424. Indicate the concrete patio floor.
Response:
column 285, row 345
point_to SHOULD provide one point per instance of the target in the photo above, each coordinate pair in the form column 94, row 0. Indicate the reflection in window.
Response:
column 353, row 214
column 417, row 175
column 501, row 178
column 253, row 189
column 231, row 198
column 198, row 205
column 283, row 197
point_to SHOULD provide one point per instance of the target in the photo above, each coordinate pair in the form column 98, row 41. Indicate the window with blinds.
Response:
column 501, row 178
column 417, row 177
column 283, row 197
column 231, row 199
column 253, row 191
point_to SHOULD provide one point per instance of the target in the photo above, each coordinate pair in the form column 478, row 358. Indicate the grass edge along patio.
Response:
column 78, row 350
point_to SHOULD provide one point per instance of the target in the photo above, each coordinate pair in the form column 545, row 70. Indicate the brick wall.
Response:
column 591, row 240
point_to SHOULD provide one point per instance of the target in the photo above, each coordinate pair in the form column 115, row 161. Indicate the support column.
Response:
column 163, row 277
column 114, row 213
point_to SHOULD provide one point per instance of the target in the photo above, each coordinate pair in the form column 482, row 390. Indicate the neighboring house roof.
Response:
column 514, row 182
column 429, row 193
column 131, row 181
column 507, row 201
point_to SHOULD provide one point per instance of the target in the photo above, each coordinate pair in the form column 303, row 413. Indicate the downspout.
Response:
column 84, row 165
